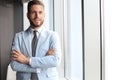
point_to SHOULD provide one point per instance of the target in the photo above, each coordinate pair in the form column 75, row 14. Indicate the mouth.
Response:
column 37, row 20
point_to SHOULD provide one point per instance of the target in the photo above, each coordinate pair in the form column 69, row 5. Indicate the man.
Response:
column 36, row 52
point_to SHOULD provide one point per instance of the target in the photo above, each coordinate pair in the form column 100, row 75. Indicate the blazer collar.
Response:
column 26, row 38
column 41, row 40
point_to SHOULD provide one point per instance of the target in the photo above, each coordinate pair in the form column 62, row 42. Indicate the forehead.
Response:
column 37, row 8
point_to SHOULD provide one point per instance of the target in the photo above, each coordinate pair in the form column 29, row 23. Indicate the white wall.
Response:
column 112, row 39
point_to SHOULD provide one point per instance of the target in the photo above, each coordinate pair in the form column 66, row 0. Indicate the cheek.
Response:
column 32, row 17
column 42, row 17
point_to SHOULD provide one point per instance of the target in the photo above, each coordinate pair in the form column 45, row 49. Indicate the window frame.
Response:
column 93, row 58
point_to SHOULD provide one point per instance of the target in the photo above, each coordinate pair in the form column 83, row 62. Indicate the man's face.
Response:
column 36, row 16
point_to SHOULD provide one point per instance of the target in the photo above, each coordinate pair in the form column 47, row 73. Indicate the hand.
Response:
column 18, row 56
column 50, row 52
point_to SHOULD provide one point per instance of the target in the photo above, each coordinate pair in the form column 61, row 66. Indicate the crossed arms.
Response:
column 19, row 57
column 22, row 63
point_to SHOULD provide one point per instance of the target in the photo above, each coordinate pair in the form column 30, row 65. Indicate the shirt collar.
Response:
column 38, row 30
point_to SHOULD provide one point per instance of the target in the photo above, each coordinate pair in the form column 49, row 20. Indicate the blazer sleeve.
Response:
column 51, row 60
column 16, row 66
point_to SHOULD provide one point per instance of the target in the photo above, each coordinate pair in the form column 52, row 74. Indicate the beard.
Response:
column 33, row 25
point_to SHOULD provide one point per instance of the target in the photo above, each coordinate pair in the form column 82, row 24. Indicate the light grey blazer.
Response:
column 47, row 64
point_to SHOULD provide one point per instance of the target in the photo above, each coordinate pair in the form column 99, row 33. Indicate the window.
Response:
column 68, row 23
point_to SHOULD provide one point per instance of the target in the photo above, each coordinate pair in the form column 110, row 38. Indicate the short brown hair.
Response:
column 34, row 2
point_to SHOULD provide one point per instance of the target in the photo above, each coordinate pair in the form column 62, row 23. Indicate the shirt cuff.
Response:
column 30, row 61
column 38, row 70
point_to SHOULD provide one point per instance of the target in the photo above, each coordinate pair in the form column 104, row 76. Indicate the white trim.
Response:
column 59, row 27
column 103, row 40
column 67, row 41
column 92, row 40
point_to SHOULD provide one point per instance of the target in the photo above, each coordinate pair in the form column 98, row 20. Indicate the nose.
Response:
column 37, row 15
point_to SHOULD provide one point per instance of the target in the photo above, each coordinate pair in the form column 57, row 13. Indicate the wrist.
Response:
column 27, row 61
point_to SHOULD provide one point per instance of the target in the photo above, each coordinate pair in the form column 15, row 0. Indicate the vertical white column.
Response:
column 92, row 40
column 26, row 23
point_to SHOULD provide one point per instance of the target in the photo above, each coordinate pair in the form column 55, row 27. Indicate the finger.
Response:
column 13, row 53
column 14, row 56
column 52, row 49
column 16, row 51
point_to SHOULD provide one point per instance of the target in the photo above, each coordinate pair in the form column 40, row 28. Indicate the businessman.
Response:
column 36, row 51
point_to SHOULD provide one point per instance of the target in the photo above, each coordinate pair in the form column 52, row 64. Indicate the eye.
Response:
column 40, row 12
column 33, row 12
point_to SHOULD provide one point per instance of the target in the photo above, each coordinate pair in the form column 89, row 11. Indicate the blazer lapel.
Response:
column 26, row 38
column 41, row 40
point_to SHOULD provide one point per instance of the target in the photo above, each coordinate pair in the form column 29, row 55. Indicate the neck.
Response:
column 35, row 28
